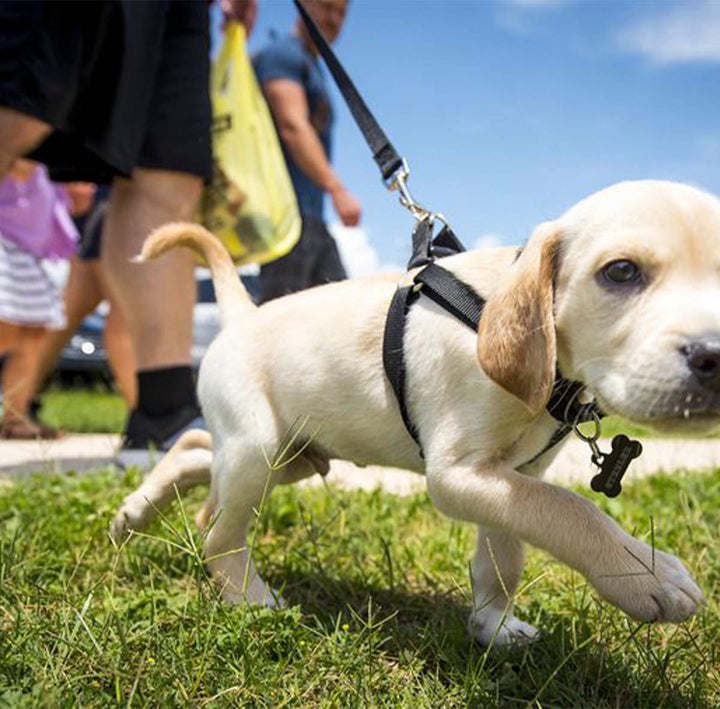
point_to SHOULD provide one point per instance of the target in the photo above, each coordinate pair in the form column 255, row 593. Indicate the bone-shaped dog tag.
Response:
column 614, row 464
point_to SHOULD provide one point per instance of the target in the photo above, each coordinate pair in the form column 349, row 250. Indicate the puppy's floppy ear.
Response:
column 516, row 339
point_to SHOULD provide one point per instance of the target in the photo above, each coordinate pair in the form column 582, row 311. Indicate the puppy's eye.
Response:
column 621, row 273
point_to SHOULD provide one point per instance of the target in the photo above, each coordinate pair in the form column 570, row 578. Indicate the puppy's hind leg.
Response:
column 186, row 465
column 496, row 570
column 242, row 481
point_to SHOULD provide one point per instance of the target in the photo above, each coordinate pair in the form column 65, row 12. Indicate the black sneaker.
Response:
column 147, row 438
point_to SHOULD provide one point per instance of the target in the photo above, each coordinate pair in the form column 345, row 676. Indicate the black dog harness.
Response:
column 454, row 296
column 463, row 303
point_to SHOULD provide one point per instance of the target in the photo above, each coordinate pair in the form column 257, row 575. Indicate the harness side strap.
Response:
column 394, row 351
column 384, row 154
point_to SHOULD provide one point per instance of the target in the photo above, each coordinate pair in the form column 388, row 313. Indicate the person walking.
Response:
column 86, row 288
column 35, row 224
column 118, row 91
column 295, row 89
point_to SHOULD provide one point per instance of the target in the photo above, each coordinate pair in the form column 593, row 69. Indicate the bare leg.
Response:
column 120, row 354
column 157, row 298
column 20, row 372
column 19, row 134
column 117, row 341
column 82, row 296
column 9, row 335
column 496, row 570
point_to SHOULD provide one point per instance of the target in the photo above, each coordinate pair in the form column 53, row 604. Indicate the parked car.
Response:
column 84, row 355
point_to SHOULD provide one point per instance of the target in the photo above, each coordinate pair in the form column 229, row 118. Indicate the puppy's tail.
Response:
column 231, row 295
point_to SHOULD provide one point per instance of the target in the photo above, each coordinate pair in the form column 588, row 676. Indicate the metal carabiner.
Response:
column 398, row 181
column 597, row 455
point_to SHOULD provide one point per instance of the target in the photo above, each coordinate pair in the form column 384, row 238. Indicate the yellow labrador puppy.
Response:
column 622, row 293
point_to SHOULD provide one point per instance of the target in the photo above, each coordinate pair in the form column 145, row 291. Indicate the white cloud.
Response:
column 357, row 253
column 680, row 34
column 487, row 241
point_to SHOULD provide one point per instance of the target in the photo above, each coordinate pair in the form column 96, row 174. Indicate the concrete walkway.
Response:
column 84, row 452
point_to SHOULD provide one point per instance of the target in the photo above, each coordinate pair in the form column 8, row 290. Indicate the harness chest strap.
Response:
column 463, row 303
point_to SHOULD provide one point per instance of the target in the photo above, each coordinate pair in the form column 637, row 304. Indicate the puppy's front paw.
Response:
column 490, row 626
column 134, row 513
column 648, row 584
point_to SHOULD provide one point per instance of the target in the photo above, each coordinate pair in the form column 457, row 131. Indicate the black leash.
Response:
column 452, row 294
column 393, row 168
column 384, row 154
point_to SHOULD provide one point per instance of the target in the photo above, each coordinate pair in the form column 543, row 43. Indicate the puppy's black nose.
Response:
column 703, row 359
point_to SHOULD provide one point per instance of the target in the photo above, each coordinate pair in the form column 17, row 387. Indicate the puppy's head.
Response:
column 623, row 294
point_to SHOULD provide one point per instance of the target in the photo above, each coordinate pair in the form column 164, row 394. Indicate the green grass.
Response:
column 378, row 593
column 83, row 410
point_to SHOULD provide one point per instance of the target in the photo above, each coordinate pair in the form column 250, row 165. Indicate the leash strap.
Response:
column 384, row 154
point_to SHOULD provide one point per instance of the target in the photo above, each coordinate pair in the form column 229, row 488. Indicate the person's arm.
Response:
column 289, row 107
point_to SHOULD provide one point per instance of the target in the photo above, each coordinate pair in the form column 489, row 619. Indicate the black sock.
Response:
column 162, row 391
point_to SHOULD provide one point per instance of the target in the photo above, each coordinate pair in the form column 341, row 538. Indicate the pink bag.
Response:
column 34, row 215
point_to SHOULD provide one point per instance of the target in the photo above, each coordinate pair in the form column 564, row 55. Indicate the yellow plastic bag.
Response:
column 250, row 204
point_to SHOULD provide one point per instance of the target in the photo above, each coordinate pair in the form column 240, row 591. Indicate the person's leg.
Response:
column 82, row 295
column 120, row 354
column 19, row 134
column 289, row 273
column 9, row 334
column 157, row 299
column 18, row 376
column 327, row 264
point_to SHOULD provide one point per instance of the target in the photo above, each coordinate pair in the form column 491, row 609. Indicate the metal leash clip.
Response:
column 398, row 182
column 596, row 455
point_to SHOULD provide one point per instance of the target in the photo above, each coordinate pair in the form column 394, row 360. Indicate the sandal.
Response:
column 24, row 430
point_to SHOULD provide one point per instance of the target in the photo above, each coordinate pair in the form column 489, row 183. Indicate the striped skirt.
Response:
column 27, row 295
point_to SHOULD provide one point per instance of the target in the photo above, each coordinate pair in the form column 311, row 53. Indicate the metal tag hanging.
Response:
column 614, row 465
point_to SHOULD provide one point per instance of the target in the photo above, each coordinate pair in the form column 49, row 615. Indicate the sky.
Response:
column 510, row 111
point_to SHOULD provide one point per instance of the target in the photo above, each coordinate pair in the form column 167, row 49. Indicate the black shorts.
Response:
column 314, row 260
column 124, row 83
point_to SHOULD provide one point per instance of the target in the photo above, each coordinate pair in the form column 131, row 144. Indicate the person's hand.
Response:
column 346, row 207
column 242, row 11
column 81, row 196
column 22, row 169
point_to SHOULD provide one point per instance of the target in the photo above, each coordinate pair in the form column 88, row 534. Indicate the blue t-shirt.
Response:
column 287, row 58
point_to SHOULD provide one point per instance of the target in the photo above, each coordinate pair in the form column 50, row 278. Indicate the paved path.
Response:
column 87, row 451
